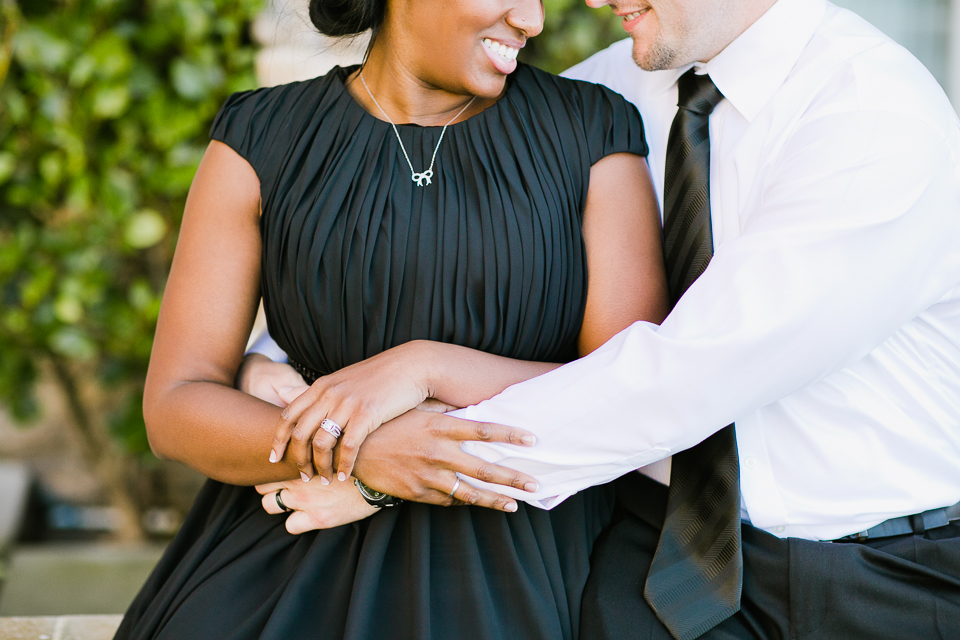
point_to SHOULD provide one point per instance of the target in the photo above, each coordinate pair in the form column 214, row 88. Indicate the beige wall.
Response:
column 292, row 48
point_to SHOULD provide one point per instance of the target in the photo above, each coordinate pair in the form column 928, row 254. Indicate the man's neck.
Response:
column 734, row 26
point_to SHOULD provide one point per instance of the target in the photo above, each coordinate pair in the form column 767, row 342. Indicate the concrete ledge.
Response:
column 60, row 628
column 75, row 579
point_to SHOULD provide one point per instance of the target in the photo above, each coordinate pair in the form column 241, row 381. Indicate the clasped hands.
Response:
column 395, row 438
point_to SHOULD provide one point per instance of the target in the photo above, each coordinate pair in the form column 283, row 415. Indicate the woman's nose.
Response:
column 527, row 16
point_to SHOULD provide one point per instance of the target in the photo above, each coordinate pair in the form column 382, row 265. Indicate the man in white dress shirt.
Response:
column 826, row 327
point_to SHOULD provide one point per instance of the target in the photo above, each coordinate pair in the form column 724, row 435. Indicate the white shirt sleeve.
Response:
column 854, row 234
column 264, row 345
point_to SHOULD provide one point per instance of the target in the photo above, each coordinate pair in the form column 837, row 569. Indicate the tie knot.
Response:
column 698, row 93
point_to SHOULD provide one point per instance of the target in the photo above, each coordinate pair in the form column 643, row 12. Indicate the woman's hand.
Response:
column 315, row 505
column 358, row 399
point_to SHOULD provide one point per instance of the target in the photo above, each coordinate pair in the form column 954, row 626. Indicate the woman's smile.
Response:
column 502, row 55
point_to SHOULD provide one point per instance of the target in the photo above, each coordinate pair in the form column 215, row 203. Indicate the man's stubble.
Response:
column 657, row 57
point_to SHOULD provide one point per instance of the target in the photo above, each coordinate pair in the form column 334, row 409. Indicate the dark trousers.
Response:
column 898, row 588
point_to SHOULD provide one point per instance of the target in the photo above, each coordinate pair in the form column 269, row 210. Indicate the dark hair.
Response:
column 347, row 17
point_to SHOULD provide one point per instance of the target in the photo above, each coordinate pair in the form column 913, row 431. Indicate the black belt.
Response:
column 647, row 499
column 905, row 525
column 309, row 375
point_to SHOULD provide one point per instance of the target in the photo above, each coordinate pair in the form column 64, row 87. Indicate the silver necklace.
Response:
column 422, row 179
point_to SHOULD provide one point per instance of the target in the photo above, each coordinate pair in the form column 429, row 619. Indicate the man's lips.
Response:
column 632, row 19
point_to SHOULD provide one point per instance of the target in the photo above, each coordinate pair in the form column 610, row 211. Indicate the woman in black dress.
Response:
column 371, row 256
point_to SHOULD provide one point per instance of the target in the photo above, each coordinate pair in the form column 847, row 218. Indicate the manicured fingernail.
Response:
column 511, row 507
column 304, row 477
column 532, row 487
column 341, row 476
column 273, row 456
column 324, row 480
column 528, row 440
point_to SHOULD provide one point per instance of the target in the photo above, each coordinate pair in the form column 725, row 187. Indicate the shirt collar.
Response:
column 749, row 80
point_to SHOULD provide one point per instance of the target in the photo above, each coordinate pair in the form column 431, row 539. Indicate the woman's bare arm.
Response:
column 621, row 230
column 192, row 413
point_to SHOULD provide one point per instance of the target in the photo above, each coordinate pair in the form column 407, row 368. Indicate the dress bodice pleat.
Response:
column 357, row 258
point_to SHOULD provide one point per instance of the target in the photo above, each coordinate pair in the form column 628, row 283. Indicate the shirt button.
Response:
column 778, row 529
column 750, row 462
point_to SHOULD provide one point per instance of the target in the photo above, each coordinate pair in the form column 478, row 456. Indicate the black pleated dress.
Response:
column 357, row 259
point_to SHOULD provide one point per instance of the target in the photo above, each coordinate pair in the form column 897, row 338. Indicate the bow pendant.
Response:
column 419, row 178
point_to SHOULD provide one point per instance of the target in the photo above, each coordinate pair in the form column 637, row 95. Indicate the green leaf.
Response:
column 83, row 70
column 193, row 80
column 141, row 295
column 33, row 291
column 68, row 310
column 111, row 102
column 17, row 106
column 145, row 229
column 36, row 48
column 51, row 168
column 73, row 343
column 8, row 162
column 113, row 57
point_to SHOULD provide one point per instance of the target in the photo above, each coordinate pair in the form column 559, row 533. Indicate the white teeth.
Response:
column 635, row 14
column 501, row 49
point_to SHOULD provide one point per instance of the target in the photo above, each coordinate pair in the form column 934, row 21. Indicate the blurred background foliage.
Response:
column 105, row 107
column 572, row 32
column 104, row 112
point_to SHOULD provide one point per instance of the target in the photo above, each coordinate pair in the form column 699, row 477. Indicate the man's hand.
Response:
column 417, row 456
column 272, row 382
column 316, row 506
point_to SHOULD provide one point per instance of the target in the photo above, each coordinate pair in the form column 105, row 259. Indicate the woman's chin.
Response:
column 488, row 85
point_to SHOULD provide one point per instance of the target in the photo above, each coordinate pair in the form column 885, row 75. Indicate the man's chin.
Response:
column 653, row 57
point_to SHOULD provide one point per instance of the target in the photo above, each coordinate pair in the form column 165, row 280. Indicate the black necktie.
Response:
column 697, row 571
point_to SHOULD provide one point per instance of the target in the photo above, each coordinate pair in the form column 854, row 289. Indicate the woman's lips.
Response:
column 503, row 57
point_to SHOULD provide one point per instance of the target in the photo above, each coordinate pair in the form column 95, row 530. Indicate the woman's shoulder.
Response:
column 607, row 120
column 259, row 123
column 263, row 107
column 551, row 86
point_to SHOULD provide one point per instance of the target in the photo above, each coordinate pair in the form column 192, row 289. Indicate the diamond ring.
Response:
column 331, row 427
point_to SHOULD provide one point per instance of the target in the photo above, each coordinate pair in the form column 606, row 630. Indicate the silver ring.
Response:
column 331, row 427
column 456, row 485
column 280, row 502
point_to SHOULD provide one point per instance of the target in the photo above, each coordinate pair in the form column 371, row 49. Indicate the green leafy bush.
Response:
column 104, row 114
column 572, row 32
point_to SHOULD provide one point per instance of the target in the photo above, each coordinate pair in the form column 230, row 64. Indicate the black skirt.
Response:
column 412, row 572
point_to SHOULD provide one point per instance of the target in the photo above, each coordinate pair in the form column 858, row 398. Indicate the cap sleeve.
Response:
column 611, row 123
column 262, row 125
column 239, row 126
